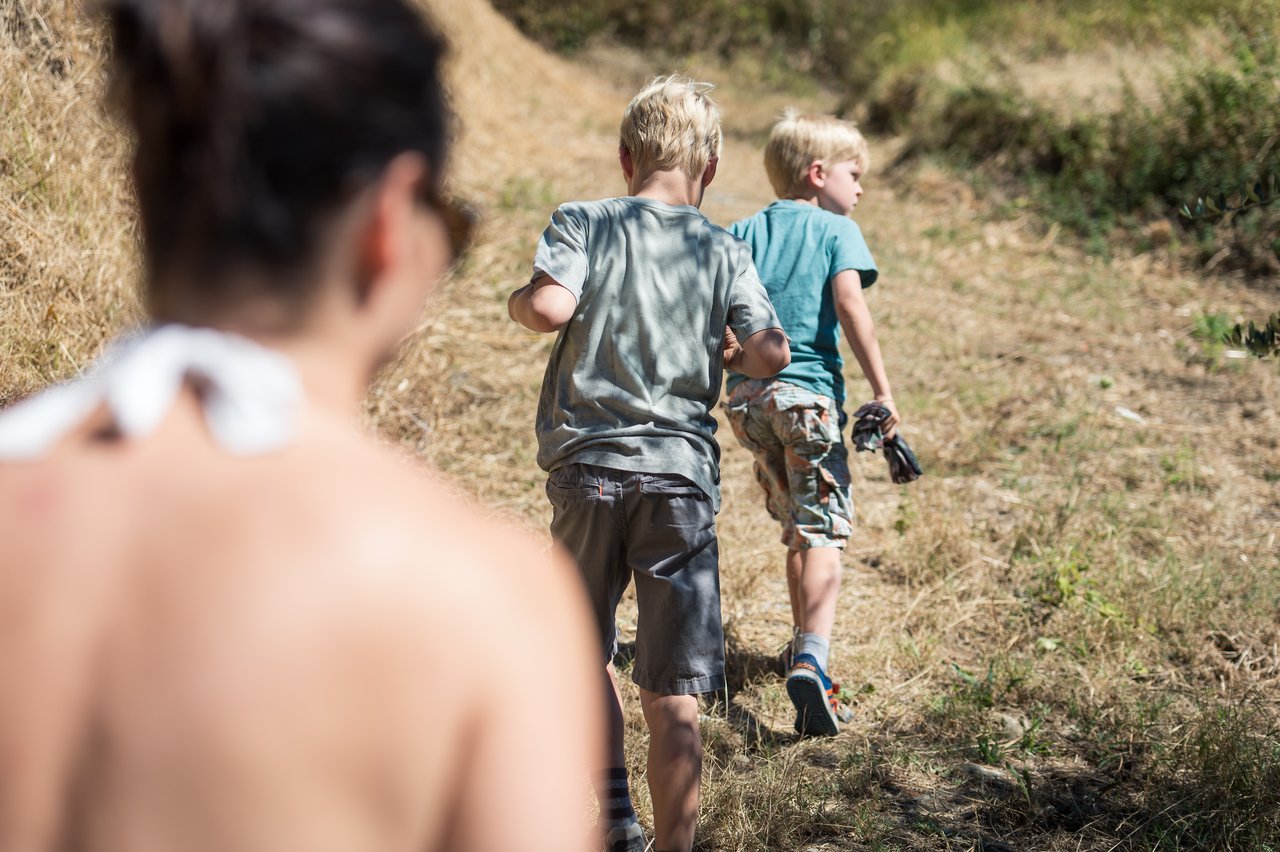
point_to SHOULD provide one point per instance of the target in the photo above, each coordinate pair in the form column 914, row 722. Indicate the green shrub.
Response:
column 849, row 45
column 1210, row 126
column 807, row 35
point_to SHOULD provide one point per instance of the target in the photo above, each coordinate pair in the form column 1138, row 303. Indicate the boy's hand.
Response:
column 732, row 348
column 890, row 427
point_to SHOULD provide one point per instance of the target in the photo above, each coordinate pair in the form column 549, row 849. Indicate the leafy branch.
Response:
column 1226, row 207
column 1261, row 342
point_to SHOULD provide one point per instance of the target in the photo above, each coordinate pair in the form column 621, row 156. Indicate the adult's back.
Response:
column 303, row 651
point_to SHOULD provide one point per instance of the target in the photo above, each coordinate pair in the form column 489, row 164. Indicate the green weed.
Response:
column 1218, row 785
column 1182, row 470
column 525, row 193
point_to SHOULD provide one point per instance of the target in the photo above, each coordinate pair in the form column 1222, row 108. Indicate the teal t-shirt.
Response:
column 798, row 248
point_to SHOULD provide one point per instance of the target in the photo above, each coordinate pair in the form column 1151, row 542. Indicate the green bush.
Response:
column 807, row 35
column 1211, row 126
column 849, row 45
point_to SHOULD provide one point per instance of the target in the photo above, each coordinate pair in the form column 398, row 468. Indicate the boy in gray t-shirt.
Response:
column 652, row 302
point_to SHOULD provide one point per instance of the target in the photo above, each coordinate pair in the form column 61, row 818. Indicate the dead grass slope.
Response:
column 67, row 264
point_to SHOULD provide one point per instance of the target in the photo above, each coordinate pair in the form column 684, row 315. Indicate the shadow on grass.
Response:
column 746, row 668
column 743, row 669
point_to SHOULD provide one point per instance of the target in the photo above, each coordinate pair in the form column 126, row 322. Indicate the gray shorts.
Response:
column 661, row 529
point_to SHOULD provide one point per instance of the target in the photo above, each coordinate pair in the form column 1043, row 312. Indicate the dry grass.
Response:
column 66, row 232
column 1063, row 637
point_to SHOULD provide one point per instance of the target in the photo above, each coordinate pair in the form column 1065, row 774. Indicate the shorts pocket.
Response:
column 811, row 431
column 674, row 486
column 564, row 485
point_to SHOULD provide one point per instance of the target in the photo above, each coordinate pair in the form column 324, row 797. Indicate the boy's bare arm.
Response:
column 860, row 331
column 761, row 356
column 542, row 305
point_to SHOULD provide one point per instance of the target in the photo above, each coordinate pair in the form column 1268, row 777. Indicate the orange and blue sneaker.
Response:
column 815, row 697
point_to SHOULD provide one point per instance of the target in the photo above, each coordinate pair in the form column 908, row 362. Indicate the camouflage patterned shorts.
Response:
column 800, row 459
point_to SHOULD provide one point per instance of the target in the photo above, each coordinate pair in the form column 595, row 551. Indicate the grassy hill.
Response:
column 1064, row 637
column 1105, row 116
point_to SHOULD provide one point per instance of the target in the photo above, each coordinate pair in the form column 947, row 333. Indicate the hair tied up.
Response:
column 256, row 120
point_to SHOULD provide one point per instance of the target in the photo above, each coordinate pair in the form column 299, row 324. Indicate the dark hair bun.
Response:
column 256, row 120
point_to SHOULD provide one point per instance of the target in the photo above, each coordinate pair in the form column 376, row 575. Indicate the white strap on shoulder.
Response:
column 251, row 395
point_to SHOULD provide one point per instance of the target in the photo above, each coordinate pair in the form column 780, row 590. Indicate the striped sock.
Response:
column 615, row 799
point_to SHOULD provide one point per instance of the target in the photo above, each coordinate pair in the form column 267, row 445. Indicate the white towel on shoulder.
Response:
column 251, row 395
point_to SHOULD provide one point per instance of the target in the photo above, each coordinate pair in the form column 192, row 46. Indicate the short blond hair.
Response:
column 798, row 139
column 672, row 124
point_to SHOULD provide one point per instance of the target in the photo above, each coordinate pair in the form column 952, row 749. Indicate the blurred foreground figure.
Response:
column 230, row 621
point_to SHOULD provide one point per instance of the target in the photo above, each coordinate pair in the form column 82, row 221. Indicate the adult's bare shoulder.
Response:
column 495, row 623
column 391, row 513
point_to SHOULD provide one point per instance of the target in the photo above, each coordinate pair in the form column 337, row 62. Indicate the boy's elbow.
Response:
column 542, row 309
column 535, row 320
column 551, row 305
column 770, row 354
column 778, row 359
column 544, row 325
column 545, row 321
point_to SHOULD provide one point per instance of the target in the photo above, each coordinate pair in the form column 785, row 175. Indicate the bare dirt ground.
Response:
column 1063, row 637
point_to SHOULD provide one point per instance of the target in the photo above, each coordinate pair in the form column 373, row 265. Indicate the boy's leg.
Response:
column 795, row 571
column 673, row 553
column 585, row 501
column 675, row 767
column 821, row 522
column 813, row 578
column 613, row 709
column 821, row 509
column 618, row 822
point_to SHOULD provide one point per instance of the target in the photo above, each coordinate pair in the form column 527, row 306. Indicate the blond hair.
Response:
column 672, row 124
column 798, row 139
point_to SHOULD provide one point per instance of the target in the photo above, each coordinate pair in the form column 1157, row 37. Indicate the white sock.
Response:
column 819, row 647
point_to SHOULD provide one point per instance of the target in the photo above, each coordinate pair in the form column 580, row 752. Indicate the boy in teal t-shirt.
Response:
column 814, row 264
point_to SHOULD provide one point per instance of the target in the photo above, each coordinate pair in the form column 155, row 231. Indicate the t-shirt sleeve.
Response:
column 850, row 251
column 750, row 310
column 562, row 250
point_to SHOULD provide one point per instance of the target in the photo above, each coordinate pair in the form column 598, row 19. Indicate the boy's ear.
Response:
column 816, row 174
column 628, row 165
column 709, row 173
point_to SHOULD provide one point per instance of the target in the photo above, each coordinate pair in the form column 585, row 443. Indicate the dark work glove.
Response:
column 867, row 437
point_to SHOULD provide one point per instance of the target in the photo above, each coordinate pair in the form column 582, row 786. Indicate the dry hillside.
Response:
column 1063, row 637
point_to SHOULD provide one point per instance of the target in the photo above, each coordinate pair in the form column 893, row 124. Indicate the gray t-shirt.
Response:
column 635, row 374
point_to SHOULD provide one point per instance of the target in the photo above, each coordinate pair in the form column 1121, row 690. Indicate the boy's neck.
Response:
column 805, row 199
column 670, row 186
